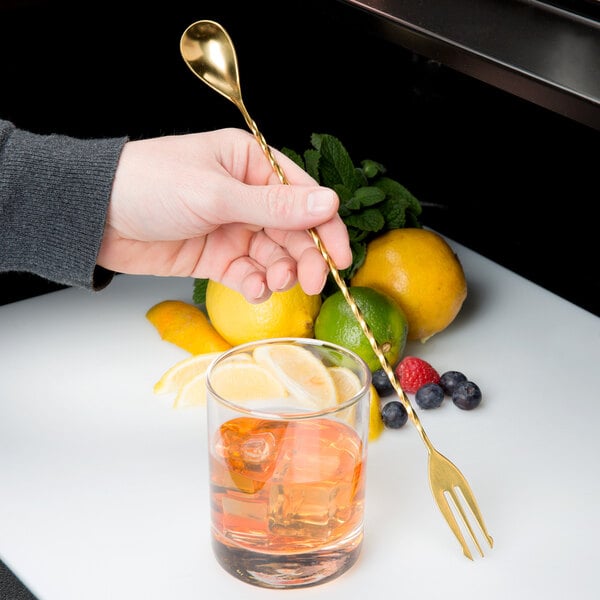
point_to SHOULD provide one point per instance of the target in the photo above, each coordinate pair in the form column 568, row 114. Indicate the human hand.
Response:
column 208, row 205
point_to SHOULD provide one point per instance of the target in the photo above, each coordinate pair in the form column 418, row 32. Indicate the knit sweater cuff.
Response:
column 54, row 195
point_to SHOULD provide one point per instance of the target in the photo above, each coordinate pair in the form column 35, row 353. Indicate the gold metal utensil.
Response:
column 208, row 51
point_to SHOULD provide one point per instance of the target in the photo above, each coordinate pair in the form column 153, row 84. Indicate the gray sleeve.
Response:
column 54, row 195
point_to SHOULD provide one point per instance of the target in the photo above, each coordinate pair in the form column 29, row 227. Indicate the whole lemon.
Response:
column 336, row 323
column 291, row 313
column 419, row 269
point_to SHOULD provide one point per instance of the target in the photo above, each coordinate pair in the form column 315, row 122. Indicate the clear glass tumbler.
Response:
column 288, row 426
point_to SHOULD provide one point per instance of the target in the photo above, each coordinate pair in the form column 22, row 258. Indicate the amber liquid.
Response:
column 287, row 500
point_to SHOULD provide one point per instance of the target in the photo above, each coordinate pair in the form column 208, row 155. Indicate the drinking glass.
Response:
column 288, row 427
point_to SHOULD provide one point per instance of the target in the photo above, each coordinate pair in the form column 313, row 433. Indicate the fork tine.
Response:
column 452, row 493
column 444, row 507
column 470, row 499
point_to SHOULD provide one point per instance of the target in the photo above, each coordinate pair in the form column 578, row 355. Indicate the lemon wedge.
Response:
column 186, row 326
column 192, row 392
column 301, row 372
column 376, row 424
column 181, row 372
column 187, row 378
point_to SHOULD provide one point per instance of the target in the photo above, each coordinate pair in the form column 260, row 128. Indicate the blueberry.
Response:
column 381, row 382
column 450, row 379
column 430, row 395
column 393, row 414
column 466, row 395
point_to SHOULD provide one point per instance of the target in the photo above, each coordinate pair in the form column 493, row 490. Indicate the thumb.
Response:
column 291, row 207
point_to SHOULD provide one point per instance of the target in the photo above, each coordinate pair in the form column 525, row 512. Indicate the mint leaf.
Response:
column 395, row 213
column 348, row 205
column 370, row 220
column 399, row 193
column 335, row 164
column 199, row 295
column 371, row 168
column 294, row 156
column 368, row 196
column 359, row 253
column 311, row 158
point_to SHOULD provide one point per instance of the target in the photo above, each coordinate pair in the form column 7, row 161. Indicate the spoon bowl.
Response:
column 209, row 52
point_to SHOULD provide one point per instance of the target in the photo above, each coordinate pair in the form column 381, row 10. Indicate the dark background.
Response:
column 506, row 178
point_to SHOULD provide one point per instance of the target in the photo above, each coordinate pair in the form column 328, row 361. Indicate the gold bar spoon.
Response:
column 209, row 52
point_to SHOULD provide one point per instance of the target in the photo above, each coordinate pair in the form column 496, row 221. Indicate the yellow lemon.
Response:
column 285, row 314
column 301, row 372
column 419, row 269
column 336, row 323
column 186, row 326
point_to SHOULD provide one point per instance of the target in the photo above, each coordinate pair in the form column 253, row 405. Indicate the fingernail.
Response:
column 261, row 291
column 325, row 275
column 288, row 278
column 320, row 202
column 324, row 281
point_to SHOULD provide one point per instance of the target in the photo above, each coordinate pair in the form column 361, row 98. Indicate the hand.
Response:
column 208, row 205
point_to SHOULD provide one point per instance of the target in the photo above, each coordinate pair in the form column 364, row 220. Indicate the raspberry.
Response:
column 413, row 373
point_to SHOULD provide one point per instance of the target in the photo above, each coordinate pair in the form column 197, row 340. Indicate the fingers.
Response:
column 271, row 267
column 248, row 278
column 292, row 256
column 280, row 267
column 255, row 282
column 267, row 267
column 301, row 245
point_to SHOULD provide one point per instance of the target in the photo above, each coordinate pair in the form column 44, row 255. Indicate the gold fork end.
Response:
column 446, row 511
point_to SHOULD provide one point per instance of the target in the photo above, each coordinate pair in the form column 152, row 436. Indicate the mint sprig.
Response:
column 370, row 202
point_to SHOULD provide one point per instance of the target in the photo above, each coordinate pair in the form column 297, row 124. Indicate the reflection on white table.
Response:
column 104, row 486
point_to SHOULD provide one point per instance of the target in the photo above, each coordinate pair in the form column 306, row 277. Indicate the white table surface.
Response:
column 103, row 486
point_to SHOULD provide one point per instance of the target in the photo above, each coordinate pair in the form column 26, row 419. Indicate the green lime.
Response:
column 336, row 323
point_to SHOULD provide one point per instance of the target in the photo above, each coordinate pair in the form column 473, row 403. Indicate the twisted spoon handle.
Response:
column 341, row 284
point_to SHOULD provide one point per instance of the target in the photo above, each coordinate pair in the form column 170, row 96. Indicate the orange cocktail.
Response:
column 287, row 472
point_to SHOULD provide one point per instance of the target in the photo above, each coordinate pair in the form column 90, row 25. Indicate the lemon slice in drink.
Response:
column 301, row 372
column 347, row 384
column 346, row 381
column 239, row 381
